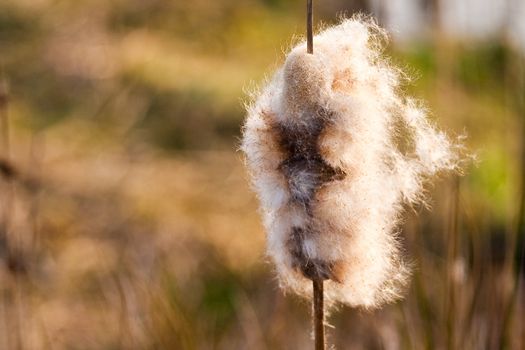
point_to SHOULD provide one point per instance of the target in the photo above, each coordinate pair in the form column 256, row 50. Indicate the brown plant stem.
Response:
column 318, row 302
column 319, row 315
column 309, row 27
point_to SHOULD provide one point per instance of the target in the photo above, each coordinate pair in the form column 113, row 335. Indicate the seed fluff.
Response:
column 335, row 152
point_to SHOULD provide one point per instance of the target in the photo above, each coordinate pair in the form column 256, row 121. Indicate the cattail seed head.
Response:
column 335, row 151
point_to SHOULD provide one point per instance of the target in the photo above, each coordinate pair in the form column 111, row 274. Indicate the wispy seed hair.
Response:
column 335, row 150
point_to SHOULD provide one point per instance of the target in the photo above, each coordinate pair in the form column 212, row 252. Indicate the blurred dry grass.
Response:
column 129, row 223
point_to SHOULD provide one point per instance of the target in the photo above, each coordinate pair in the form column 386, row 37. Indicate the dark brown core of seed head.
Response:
column 306, row 171
column 314, row 269
column 303, row 166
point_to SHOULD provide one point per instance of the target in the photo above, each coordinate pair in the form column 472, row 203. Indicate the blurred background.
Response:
column 126, row 218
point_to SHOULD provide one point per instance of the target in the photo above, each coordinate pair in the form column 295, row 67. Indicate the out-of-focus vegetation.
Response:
column 126, row 216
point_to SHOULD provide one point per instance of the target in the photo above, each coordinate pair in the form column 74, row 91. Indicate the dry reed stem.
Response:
column 309, row 27
column 318, row 315
column 318, row 297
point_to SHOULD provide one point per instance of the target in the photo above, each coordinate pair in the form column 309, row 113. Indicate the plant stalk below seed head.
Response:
column 318, row 313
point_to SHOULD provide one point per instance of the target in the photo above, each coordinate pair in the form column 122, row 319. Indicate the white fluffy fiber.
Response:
column 378, row 147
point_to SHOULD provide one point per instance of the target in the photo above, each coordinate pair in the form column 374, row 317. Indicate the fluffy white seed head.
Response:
column 335, row 151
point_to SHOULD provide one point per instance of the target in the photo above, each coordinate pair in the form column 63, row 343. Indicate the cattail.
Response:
column 335, row 151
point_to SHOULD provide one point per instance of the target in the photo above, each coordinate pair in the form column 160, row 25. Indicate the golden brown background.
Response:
column 126, row 219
